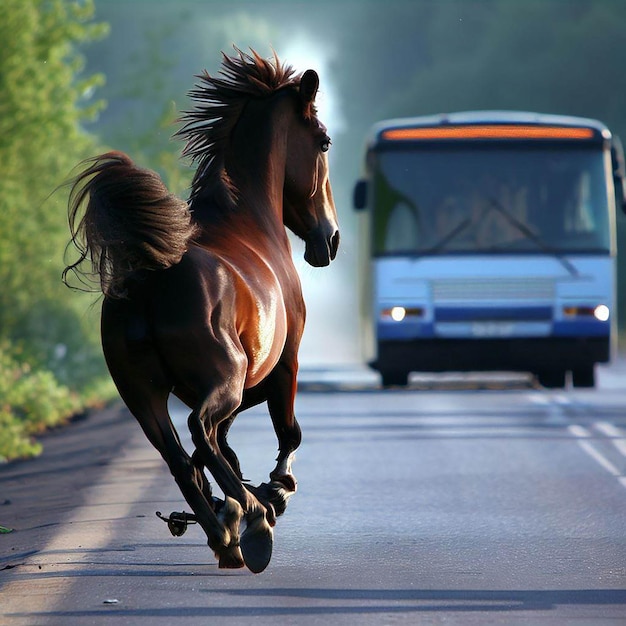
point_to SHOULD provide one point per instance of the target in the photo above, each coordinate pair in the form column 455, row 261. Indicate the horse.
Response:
column 202, row 299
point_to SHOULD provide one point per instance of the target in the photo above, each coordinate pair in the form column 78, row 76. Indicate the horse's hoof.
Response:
column 229, row 514
column 256, row 544
column 265, row 495
column 231, row 559
column 286, row 481
column 280, row 496
column 276, row 496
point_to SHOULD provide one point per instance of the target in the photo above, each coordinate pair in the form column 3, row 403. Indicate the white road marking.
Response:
column 617, row 437
column 582, row 434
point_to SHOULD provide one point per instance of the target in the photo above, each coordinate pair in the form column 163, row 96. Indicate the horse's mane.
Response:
column 220, row 101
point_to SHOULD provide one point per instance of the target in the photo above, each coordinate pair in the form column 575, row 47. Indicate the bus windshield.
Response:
column 479, row 198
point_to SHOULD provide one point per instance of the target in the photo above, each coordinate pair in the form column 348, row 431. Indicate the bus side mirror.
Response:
column 619, row 172
column 359, row 197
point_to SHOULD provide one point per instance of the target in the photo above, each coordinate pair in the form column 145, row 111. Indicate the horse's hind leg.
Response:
column 145, row 389
column 222, row 528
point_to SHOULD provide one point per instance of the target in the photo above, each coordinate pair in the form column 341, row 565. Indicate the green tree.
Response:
column 150, row 60
column 44, row 97
column 43, row 101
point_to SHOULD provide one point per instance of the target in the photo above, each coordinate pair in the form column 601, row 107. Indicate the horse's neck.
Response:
column 253, row 218
column 256, row 167
column 256, row 160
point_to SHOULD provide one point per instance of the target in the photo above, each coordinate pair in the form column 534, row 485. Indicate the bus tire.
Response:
column 584, row 376
column 551, row 379
column 394, row 378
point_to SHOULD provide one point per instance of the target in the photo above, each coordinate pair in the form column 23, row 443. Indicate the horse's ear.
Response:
column 308, row 86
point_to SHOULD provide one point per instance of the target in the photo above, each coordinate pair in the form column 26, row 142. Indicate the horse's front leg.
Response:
column 251, row 397
column 273, row 495
column 281, row 393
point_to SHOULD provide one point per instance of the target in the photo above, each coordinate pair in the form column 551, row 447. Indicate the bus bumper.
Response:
column 513, row 354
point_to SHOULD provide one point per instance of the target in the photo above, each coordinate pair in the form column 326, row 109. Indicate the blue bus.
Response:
column 490, row 245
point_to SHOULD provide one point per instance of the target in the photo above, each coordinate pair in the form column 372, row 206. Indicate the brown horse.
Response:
column 202, row 299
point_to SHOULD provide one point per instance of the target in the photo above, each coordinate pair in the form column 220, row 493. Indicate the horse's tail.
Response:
column 130, row 222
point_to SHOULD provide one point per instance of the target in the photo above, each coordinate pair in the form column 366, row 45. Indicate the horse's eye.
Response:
column 325, row 145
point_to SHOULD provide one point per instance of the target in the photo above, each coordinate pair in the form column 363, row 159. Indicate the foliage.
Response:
column 14, row 441
column 30, row 401
column 45, row 97
column 150, row 61
column 42, row 106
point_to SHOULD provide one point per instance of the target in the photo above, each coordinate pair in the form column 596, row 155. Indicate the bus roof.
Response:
column 488, row 125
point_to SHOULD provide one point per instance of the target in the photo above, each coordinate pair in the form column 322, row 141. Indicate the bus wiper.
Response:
column 529, row 234
column 448, row 237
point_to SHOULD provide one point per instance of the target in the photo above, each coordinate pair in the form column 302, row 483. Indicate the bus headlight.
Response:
column 600, row 312
column 399, row 313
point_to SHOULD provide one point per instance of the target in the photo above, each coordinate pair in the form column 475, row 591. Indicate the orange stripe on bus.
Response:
column 491, row 131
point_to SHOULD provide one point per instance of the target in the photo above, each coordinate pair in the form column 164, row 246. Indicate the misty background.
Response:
column 376, row 60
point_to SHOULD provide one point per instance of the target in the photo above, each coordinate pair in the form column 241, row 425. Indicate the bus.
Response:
column 489, row 243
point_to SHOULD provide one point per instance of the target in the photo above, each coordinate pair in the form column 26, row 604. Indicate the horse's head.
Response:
column 309, row 209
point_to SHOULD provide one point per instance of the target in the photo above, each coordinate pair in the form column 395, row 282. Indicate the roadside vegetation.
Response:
column 51, row 366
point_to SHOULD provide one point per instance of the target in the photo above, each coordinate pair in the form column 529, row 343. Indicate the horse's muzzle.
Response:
column 321, row 247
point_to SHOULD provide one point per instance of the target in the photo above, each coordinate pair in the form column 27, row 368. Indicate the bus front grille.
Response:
column 524, row 289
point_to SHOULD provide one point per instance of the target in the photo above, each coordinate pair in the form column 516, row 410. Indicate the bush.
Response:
column 14, row 442
column 30, row 402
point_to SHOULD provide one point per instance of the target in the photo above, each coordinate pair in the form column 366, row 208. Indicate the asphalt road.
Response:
column 458, row 503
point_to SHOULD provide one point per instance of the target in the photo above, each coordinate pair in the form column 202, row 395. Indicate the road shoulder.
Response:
column 37, row 494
